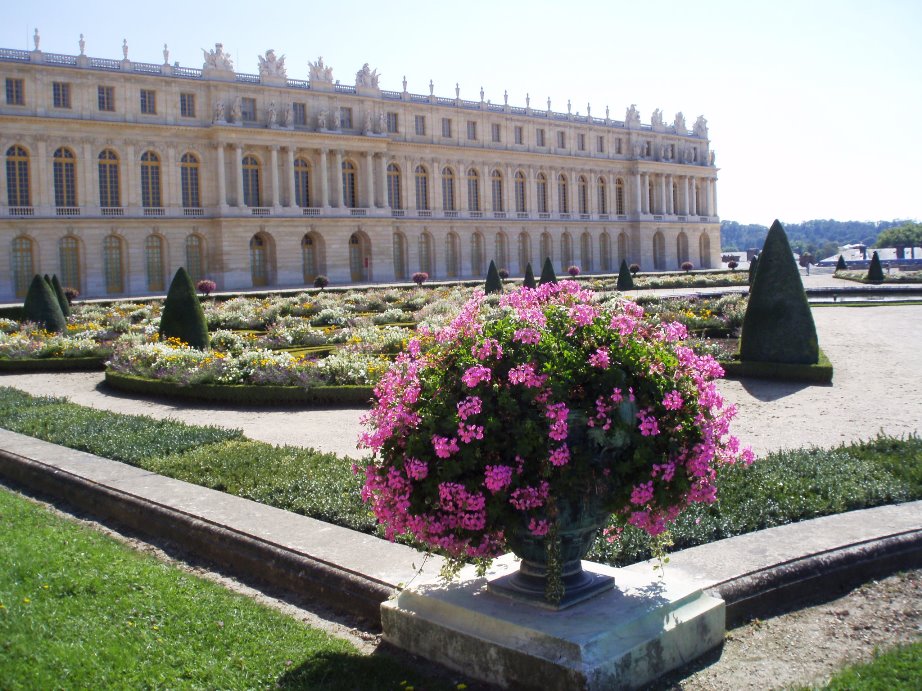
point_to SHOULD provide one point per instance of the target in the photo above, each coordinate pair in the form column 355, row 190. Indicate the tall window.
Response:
column 108, row 179
column 518, row 134
column 542, row 193
column 15, row 92
column 17, row 177
column 446, row 127
column 251, row 181
column 345, row 118
column 472, row 130
column 473, row 190
column 448, row 189
column 585, row 252
column 419, row 122
column 675, row 198
column 425, row 253
column 153, row 259
column 477, row 254
column 650, row 206
column 619, row 197
column 563, row 194
column 681, row 247
column 400, row 256
column 189, row 181
column 622, row 246
column 112, row 264
column 393, row 186
column 604, row 253
column 259, row 261
column 547, row 246
column 602, row 191
column 391, row 120
column 248, row 109
column 105, row 98
column 299, row 114
column 65, row 178
column 561, row 140
column 302, row 183
column 69, row 260
column 452, row 252
column 309, row 259
column 581, row 142
column 582, row 192
column 496, row 187
column 148, row 101
column 195, row 257
column 422, row 188
column 566, row 250
column 704, row 251
column 187, row 105
column 520, row 205
column 359, row 257
column 600, row 144
column 495, row 132
column 524, row 251
column 60, row 92
column 350, row 191
column 659, row 252
column 22, row 264
column 501, row 255
column 539, row 136
column 150, row 180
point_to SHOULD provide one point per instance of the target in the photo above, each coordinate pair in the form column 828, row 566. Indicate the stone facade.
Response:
column 116, row 173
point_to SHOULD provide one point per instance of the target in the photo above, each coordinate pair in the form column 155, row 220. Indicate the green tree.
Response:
column 41, row 306
column 547, row 272
column 875, row 271
column 494, row 283
column 182, row 316
column 529, row 280
column 625, row 280
column 901, row 237
column 59, row 293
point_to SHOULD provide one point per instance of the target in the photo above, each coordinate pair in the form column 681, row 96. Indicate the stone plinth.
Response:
column 624, row 638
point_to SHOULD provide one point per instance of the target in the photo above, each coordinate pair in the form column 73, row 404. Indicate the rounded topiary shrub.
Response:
column 420, row 277
column 687, row 266
column 635, row 269
column 321, row 282
column 182, row 315
column 42, row 307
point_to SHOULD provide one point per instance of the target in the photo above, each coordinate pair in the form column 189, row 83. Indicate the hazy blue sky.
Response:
column 811, row 105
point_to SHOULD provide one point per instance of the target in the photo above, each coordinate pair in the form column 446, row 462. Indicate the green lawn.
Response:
column 80, row 610
column 900, row 668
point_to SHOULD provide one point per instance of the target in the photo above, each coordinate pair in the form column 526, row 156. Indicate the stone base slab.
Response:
column 623, row 638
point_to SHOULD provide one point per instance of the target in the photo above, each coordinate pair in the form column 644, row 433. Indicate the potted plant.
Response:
column 533, row 418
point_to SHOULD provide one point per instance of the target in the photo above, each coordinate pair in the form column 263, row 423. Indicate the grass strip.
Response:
column 899, row 668
column 80, row 610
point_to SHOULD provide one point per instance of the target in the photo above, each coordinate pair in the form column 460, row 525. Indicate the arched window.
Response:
column 477, row 254
column 501, row 255
column 64, row 165
column 681, row 247
column 310, row 262
column 17, row 178
column 619, row 197
column 582, row 192
column 302, row 183
column 547, row 247
column 604, row 253
column 251, row 196
column 622, row 248
column 69, row 260
column 496, row 185
column 359, row 258
column 109, row 195
column 400, row 256
column 195, row 257
column 112, row 264
column 23, row 264
column 150, row 180
column 350, row 189
column 452, row 252
column 704, row 251
column 542, row 193
column 393, row 187
column 602, row 191
column 473, row 191
column 585, row 252
column 259, row 260
column 563, row 194
column 448, row 189
column 520, row 204
column 425, row 253
column 153, row 259
column 566, row 251
column 524, row 251
column 422, row 188
column 189, row 180
column 659, row 252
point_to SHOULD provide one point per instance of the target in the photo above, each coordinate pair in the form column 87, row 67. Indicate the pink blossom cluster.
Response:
column 476, row 374
column 497, row 477
column 525, row 374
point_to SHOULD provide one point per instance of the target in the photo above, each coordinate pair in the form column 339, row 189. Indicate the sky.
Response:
column 810, row 104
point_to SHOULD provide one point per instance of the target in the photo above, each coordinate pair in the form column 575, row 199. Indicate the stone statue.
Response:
column 701, row 127
column 481, row 94
column 125, row 48
column 271, row 66
column 632, row 117
column 219, row 115
column 688, row 155
column 527, row 101
column 606, row 112
column 657, row 118
column 680, row 123
column 82, row 44
column 217, row 59
column 569, row 106
column 320, row 72
column 505, row 97
column 548, row 104
column 431, row 88
column 37, row 39
column 382, row 124
column 404, row 83
column 637, row 148
column 322, row 120
column 166, row 55
column 273, row 115
column 367, row 77
column 337, row 120
column 289, row 115
column 458, row 90
column 589, row 110
column 236, row 110
column 713, row 158
column 367, row 128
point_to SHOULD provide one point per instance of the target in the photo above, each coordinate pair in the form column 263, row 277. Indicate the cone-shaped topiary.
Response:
column 182, row 316
column 547, row 272
column 753, row 266
column 41, row 306
column 625, row 280
column 841, row 265
column 494, row 283
column 778, row 325
column 59, row 293
column 875, row 271
column 529, row 280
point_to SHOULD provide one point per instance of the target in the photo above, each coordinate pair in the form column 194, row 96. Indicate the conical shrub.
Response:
column 494, row 283
column 625, row 280
column 875, row 271
column 778, row 325
column 529, row 280
column 841, row 265
column 41, row 306
column 59, row 293
column 547, row 272
column 753, row 267
column 182, row 315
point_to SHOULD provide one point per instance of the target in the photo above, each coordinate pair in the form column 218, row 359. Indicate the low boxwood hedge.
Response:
column 53, row 364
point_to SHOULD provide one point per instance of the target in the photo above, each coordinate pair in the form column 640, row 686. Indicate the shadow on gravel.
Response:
column 767, row 391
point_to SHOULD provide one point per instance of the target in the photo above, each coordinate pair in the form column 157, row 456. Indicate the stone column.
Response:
column 553, row 191
column 324, row 181
column 638, row 193
column 509, row 190
column 382, row 182
column 531, row 192
column 694, row 196
column 290, row 174
column 668, row 206
column 4, row 200
column 130, row 166
column 663, row 204
column 238, row 166
column 368, row 193
column 222, row 177
column 42, row 195
column 714, row 197
column 174, row 197
column 88, row 197
column 688, row 195
column 338, row 178
column 274, row 176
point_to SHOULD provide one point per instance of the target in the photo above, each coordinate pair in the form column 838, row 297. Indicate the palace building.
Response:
column 118, row 172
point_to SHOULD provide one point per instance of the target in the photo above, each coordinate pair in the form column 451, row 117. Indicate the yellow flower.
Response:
column 26, row 600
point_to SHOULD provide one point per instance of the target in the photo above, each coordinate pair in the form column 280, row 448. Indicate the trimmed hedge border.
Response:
column 820, row 373
column 239, row 394
column 55, row 364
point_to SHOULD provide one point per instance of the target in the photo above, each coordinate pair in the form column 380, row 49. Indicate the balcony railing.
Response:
column 112, row 211
column 310, row 211
column 476, row 214
column 544, row 215
column 67, row 211
column 261, row 211
column 358, row 212
column 22, row 211
column 521, row 215
column 153, row 211
column 499, row 214
column 398, row 213
column 424, row 213
column 451, row 214
column 193, row 211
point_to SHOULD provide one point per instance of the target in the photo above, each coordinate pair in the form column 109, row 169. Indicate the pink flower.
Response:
column 600, row 358
column 444, row 446
column 469, row 433
column 472, row 405
column 538, row 528
column 672, row 400
column 642, row 494
column 529, row 336
column 476, row 374
column 416, row 469
column 560, row 456
column 526, row 375
column 527, row 498
column 648, row 424
column 497, row 477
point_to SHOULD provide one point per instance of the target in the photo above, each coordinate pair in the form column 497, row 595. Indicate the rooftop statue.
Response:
column 632, row 117
column 701, row 127
column 680, row 123
column 367, row 77
column 657, row 118
column 217, row 59
column 320, row 72
column 271, row 66
column 37, row 39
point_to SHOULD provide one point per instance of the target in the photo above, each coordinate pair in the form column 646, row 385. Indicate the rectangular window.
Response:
column 421, row 125
column 248, row 109
column 600, row 146
column 695, row 154
column 345, row 118
column 392, row 123
column 446, row 127
column 299, row 114
column 519, row 134
column 472, row 130
column 561, row 140
column 105, row 96
column 539, row 136
column 187, row 105
column 15, row 93
column 581, row 142
column 148, row 102
column 61, row 93
column 495, row 131
column 618, row 146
